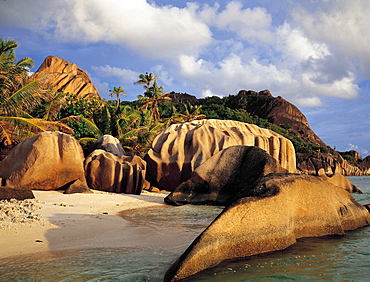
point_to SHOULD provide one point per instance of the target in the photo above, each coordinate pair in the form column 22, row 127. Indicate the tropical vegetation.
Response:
column 29, row 105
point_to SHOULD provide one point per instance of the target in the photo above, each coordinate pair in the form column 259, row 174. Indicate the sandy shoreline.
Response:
column 75, row 221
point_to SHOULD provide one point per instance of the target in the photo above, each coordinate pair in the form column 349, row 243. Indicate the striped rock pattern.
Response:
column 67, row 77
column 178, row 150
column 111, row 173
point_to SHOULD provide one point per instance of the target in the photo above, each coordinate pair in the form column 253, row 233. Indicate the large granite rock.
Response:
column 48, row 161
column 67, row 77
column 179, row 149
column 300, row 206
column 220, row 178
column 109, row 144
column 111, row 173
column 340, row 181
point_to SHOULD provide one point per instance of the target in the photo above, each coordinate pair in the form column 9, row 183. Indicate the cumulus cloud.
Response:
column 343, row 25
column 152, row 31
column 249, row 24
column 293, row 67
column 125, row 76
column 218, row 51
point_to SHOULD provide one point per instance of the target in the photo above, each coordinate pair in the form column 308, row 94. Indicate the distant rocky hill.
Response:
column 277, row 111
column 185, row 98
column 280, row 112
column 67, row 77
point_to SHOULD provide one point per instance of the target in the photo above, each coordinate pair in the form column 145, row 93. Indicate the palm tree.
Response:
column 117, row 91
column 152, row 100
column 146, row 135
column 19, row 95
column 192, row 112
column 17, row 90
column 147, row 79
column 52, row 105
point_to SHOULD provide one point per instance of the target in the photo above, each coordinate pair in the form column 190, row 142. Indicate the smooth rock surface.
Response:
column 48, row 161
column 109, row 144
column 340, row 181
column 178, row 150
column 302, row 206
column 220, row 178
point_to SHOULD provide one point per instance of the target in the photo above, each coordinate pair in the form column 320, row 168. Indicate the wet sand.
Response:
column 74, row 221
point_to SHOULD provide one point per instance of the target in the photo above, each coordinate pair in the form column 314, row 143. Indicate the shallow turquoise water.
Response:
column 338, row 258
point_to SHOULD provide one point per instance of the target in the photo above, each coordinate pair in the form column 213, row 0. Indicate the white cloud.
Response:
column 291, row 67
column 163, row 76
column 150, row 30
column 102, row 87
column 296, row 47
column 360, row 150
column 248, row 24
column 343, row 26
column 217, row 50
column 125, row 76
column 309, row 102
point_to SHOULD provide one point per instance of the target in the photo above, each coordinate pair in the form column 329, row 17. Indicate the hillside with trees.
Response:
column 30, row 104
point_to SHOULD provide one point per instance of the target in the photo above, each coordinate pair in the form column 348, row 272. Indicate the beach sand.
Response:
column 60, row 221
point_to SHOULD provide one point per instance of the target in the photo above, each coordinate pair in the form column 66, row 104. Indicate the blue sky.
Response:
column 313, row 53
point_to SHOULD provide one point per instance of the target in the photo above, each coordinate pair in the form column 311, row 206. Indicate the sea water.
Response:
column 333, row 258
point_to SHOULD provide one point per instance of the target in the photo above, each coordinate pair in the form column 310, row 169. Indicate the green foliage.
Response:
column 28, row 107
column 80, row 107
column 218, row 108
column 20, row 96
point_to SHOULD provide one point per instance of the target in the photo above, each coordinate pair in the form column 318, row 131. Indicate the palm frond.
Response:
column 22, row 98
column 91, row 126
column 87, row 140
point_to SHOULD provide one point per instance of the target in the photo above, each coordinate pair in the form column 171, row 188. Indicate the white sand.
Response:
column 74, row 221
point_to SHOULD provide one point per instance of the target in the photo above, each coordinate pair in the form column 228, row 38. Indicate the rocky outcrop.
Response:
column 48, row 161
column 178, row 98
column 18, row 194
column 312, row 163
column 111, row 173
column 179, row 149
column 340, row 181
column 277, row 111
column 259, row 224
column 219, row 179
column 66, row 77
column 365, row 165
